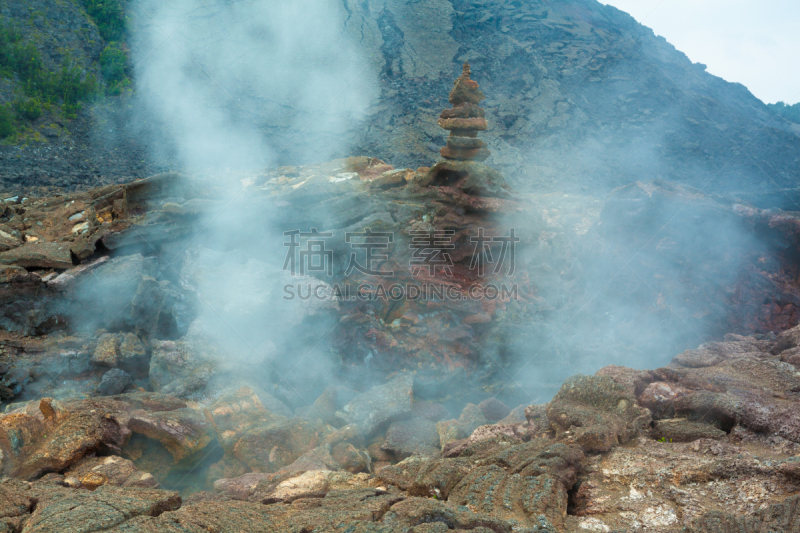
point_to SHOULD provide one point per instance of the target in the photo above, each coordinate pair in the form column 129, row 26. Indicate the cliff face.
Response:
column 581, row 97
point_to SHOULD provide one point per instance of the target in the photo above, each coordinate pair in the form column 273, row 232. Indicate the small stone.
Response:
column 114, row 382
column 107, row 351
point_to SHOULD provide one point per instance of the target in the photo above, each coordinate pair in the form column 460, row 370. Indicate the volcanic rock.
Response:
column 431, row 411
column 682, row 430
column 464, row 120
column 184, row 367
column 114, row 382
column 80, row 434
column 413, row 436
column 351, row 458
column 493, row 409
column 532, row 468
column 267, row 449
column 61, row 509
column 380, row 404
column 236, row 414
column 317, row 459
column 471, row 418
column 17, row 431
column 183, row 432
column 597, row 412
column 660, row 398
column 39, row 255
column 103, row 296
column 111, row 470
column 473, row 178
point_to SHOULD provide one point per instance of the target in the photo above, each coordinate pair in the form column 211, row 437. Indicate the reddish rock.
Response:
column 464, row 121
column 39, row 255
column 660, row 398
column 682, row 430
column 233, row 415
column 79, row 435
column 350, row 458
column 17, row 430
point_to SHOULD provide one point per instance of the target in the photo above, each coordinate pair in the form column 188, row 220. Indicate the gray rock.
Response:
column 471, row 418
column 183, row 367
column 114, row 382
column 39, row 254
column 414, row 436
column 493, row 409
column 102, row 298
column 432, row 411
column 146, row 304
column 379, row 405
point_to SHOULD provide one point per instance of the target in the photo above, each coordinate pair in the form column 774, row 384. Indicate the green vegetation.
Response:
column 789, row 112
column 114, row 64
column 109, row 17
column 39, row 87
column 28, row 108
column 6, row 122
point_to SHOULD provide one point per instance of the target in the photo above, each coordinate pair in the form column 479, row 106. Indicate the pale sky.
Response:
column 752, row 42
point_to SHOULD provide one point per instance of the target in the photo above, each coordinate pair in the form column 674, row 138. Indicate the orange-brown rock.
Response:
column 464, row 121
column 474, row 154
column 465, row 90
column 465, row 110
column 473, row 124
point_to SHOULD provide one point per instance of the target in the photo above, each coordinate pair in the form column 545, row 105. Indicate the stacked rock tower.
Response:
column 464, row 121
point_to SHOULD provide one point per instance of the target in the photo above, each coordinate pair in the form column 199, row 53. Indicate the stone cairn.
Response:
column 464, row 121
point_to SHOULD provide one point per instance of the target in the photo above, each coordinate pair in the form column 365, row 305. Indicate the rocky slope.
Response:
column 581, row 98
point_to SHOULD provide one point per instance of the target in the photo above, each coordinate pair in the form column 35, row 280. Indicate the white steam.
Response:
column 230, row 80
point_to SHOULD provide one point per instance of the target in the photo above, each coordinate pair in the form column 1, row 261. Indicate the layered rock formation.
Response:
column 464, row 120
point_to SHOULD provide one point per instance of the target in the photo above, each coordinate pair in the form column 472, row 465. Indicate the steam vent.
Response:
column 464, row 120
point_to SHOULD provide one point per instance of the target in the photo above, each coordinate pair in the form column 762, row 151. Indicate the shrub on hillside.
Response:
column 6, row 122
column 28, row 108
column 114, row 62
column 109, row 17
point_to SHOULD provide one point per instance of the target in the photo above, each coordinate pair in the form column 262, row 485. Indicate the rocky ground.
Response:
column 707, row 443
column 101, row 146
column 154, row 377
